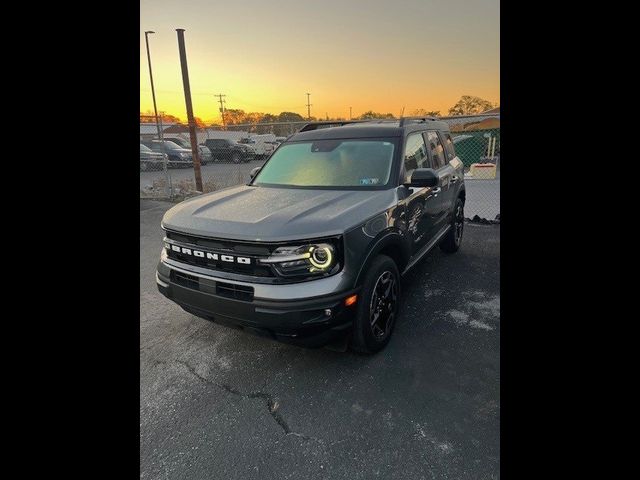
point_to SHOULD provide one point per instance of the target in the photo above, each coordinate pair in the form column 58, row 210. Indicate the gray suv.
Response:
column 313, row 247
column 205, row 154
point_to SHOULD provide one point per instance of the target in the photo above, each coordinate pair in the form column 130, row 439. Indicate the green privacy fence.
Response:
column 475, row 146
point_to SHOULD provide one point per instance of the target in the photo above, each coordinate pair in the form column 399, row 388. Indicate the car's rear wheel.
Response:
column 144, row 166
column 235, row 157
column 453, row 239
column 378, row 305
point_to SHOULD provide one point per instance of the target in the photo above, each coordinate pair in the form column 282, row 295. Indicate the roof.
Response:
column 367, row 129
column 493, row 110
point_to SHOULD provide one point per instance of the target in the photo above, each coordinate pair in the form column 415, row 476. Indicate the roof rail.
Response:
column 337, row 123
column 417, row 119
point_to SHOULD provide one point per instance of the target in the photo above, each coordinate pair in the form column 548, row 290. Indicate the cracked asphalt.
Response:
column 217, row 403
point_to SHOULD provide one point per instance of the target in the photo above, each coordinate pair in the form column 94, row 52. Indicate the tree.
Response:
column 470, row 105
column 421, row 112
column 290, row 117
column 268, row 118
column 148, row 117
column 233, row 116
column 374, row 115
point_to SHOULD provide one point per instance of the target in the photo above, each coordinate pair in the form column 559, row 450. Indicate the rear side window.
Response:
column 415, row 154
column 448, row 146
column 437, row 150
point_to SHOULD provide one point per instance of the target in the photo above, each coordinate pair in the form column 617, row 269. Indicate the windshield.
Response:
column 144, row 148
column 330, row 163
column 169, row 145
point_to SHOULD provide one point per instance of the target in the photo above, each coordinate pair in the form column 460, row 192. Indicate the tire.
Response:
column 368, row 338
column 453, row 239
column 144, row 167
column 235, row 158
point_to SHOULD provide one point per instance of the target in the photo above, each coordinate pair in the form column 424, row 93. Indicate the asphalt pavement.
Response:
column 217, row 403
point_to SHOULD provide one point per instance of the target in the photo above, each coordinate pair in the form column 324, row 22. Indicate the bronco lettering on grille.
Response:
column 208, row 255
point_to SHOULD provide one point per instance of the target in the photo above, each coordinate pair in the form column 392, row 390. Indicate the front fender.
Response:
column 392, row 238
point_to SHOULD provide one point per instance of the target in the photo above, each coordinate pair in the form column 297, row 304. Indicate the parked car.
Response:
column 150, row 160
column 226, row 150
column 314, row 246
column 261, row 147
column 177, row 156
column 205, row 154
column 272, row 145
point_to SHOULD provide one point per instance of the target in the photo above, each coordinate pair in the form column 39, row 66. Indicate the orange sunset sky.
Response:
column 368, row 54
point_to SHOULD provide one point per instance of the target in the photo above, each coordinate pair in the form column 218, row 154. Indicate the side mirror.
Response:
column 423, row 177
column 254, row 172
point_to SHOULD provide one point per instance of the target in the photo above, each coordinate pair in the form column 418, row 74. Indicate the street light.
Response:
column 153, row 91
column 155, row 110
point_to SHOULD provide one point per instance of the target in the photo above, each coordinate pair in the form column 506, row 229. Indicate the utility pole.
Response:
column 155, row 111
column 308, row 107
column 187, row 101
column 350, row 117
column 222, row 102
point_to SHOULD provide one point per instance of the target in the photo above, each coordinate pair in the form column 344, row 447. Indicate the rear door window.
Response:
column 437, row 150
column 448, row 146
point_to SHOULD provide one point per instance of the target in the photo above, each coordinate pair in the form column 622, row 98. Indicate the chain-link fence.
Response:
column 228, row 155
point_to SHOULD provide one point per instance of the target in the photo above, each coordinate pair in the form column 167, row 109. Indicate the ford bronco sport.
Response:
column 314, row 246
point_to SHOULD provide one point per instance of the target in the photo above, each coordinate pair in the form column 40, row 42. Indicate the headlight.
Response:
column 321, row 256
column 304, row 260
column 184, row 155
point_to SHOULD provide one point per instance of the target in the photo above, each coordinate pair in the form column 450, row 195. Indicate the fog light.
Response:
column 327, row 312
column 350, row 300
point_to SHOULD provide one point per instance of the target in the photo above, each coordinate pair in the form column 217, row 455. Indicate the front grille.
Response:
column 238, row 292
column 222, row 289
column 188, row 281
column 244, row 249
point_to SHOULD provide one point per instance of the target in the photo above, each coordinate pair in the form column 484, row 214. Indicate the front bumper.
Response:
column 180, row 163
column 300, row 321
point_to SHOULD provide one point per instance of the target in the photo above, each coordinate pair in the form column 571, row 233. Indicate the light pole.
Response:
column 155, row 111
column 153, row 91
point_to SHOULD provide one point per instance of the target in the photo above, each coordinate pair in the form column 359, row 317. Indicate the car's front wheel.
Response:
column 235, row 157
column 378, row 304
column 144, row 166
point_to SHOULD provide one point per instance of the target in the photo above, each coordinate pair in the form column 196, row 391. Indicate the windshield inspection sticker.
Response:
column 369, row 181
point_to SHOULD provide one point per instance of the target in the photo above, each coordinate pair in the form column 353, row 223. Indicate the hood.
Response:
column 276, row 214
